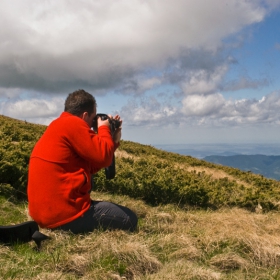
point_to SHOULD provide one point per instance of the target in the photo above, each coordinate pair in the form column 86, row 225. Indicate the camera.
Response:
column 110, row 171
column 114, row 124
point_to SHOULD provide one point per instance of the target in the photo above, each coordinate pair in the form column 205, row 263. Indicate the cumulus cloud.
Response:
column 205, row 110
column 203, row 82
column 148, row 112
column 171, row 58
column 55, row 45
column 199, row 105
column 216, row 109
column 33, row 110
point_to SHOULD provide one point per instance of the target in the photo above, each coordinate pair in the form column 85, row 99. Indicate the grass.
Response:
column 223, row 224
column 170, row 243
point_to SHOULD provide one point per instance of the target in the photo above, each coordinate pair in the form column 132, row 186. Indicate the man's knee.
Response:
column 115, row 216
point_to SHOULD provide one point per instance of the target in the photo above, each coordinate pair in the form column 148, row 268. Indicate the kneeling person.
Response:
column 60, row 169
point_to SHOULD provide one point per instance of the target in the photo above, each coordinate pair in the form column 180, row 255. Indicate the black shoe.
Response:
column 38, row 237
column 18, row 233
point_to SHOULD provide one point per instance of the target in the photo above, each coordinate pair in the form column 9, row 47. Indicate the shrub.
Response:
column 153, row 175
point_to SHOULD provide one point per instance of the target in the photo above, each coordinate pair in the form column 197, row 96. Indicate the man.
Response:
column 60, row 168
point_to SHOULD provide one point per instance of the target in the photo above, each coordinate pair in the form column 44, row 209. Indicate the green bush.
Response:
column 17, row 141
column 153, row 175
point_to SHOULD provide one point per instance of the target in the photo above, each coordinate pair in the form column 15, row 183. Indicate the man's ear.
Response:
column 84, row 115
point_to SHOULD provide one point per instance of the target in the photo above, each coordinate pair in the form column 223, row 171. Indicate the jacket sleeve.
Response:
column 70, row 138
column 97, row 149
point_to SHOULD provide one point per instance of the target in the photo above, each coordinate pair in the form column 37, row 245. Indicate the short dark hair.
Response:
column 79, row 102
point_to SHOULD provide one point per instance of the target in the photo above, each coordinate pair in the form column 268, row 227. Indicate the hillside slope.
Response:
column 144, row 172
column 170, row 242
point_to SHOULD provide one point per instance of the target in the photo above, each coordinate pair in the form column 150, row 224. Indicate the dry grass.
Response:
column 169, row 244
column 122, row 153
column 216, row 174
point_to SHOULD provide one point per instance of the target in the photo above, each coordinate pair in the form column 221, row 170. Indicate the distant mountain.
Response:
column 268, row 166
column 201, row 151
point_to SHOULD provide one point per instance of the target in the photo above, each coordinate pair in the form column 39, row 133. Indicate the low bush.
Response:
column 146, row 173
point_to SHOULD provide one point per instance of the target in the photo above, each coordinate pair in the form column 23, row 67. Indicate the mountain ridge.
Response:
column 266, row 165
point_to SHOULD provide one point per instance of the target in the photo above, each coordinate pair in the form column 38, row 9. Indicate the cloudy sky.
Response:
column 177, row 71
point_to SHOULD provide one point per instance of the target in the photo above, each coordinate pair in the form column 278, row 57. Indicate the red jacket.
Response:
column 60, row 168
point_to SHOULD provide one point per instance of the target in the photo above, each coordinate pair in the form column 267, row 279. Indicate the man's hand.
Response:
column 100, row 122
column 118, row 132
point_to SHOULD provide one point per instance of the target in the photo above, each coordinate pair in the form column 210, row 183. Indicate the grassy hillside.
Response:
column 143, row 172
column 197, row 220
column 160, row 177
column 17, row 139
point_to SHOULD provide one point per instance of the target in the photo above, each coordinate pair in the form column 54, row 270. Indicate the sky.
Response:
column 176, row 71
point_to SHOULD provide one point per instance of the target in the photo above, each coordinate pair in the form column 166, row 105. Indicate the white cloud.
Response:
column 33, row 110
column 100, row 43
column 146, row 84
column 148, row 112
column 203, row 82
column 219, row 111
column 200, row 105
column 131, row 47
column 204, row 110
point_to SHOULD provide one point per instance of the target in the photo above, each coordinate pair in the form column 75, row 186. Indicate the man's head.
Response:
column 81, row 104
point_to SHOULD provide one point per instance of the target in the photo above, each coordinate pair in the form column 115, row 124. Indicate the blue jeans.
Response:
column 105, row 215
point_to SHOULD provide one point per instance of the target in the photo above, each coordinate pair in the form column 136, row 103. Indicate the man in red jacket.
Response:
column 60, row 168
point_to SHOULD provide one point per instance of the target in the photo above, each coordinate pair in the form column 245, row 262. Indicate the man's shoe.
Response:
column 18, row 233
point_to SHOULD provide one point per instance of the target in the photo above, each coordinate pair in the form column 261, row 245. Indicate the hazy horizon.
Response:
column 225, row 149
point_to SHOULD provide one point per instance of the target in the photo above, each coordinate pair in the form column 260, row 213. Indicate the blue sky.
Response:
column 176, row 71
column 258, row 57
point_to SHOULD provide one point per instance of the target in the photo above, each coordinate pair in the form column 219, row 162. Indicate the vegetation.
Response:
column 160, row 177
column 17, row 138
column 197, row 220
